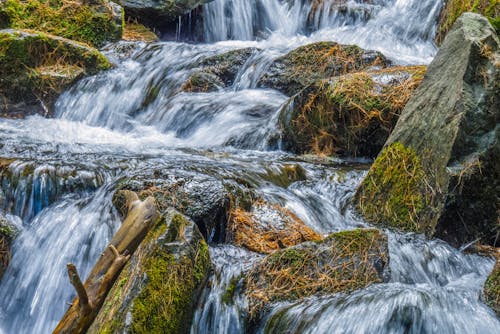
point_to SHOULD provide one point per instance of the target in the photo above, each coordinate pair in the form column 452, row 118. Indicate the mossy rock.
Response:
column 454, row 8
column 93, row 22
column 284, row 175
column 36, row 67
column 307, row 64
column 439, row 172
column 342, row 262
column 157, row 290
column 491, row 291
column 351, row 115
column 8, row 233
column 217, row 71
column 137, row 32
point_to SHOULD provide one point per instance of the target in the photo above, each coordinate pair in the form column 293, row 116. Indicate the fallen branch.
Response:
column 91, row 295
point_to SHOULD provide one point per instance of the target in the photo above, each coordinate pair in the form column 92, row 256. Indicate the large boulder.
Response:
column 156, row 13
column 217, row 71
column 36, row 67
column 305, row 65
column 491, row 290
column 439, row 171
column 343, row 262
column 8, row 232
column 157, row 290
column 94, row 22
column 454, row 8
column 350, row 115
column 202, row 198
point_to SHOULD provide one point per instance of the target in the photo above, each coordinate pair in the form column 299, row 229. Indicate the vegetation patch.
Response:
column 492, row 289
column 133, row 31
column 94, row 22
column 351, row 115
column 395, row 191
column 268, row 228
column 285, row 175
column 342, row 262
column 455, row 8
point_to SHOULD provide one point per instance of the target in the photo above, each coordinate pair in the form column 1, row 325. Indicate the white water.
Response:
column 111, row 125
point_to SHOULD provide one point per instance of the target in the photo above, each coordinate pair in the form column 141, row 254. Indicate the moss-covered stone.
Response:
column 138, row 33
column 394, row 192
column 284, row 175
column 454, row 8
column 492, row 289
column 351, row 115
column 93, row 22
column 439, row 172
column 157, row 290
column 36, row 67
column 8, row 233
column 307, row 64
column 342, row 262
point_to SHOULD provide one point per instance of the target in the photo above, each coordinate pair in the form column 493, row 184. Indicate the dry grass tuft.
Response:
column 134, row 31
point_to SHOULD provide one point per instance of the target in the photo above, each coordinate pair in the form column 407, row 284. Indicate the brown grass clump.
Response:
column 353, row 114
column 247, row 230
column 343, row 262
column 134, row 31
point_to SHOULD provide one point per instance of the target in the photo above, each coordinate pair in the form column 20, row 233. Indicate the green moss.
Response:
column 285, row 175
column 492, row 289
column 228, row 296
column 92, row 24
column 394, row 192
column 454, row 8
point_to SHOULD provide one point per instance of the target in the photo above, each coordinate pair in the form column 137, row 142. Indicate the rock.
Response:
column 267, row 228
column 350, row 115
column 218, row 71
column 136, row 32
column 156, row 13
column 202, row 198
column 8, row 232
column 491, row 291
column 347, row 10
column 439, row 171
column 454, row 8
column 93, row 22
column 284, row 175
column 305, row 65
column 343, row 262
column 157, row 289
column 36, row 67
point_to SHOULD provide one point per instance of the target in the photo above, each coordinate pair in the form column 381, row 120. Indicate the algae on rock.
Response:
column 450, row 132
column 351, row 115
column 491, row 289
column 157, row 290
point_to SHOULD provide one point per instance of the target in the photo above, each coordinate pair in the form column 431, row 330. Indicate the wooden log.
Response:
column 90, row 296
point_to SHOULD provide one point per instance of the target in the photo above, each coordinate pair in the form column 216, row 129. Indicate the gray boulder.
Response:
column 439, row 172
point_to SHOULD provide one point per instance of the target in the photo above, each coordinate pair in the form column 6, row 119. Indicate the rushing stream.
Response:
column 111, row 125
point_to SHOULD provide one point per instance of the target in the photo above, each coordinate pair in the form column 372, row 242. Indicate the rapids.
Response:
column 107, row 127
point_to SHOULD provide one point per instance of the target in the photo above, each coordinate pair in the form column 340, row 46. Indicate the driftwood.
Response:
column 91, row 295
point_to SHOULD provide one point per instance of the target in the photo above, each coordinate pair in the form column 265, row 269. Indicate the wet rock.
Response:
column 352, row 11
column 157, row 290
column 343, row 262
column 155, row 13
column 36, row 67
column 491, row 290
column 305, row 65
column 284, row 175
column 454, row 8
column 202, row 198
column 439, row 172
column 8, row 232
column 267, row 228
column 350, row 115
column 93, row 22
column 217, row 71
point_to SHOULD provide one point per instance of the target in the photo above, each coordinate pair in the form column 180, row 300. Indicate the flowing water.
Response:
column 134, row 118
